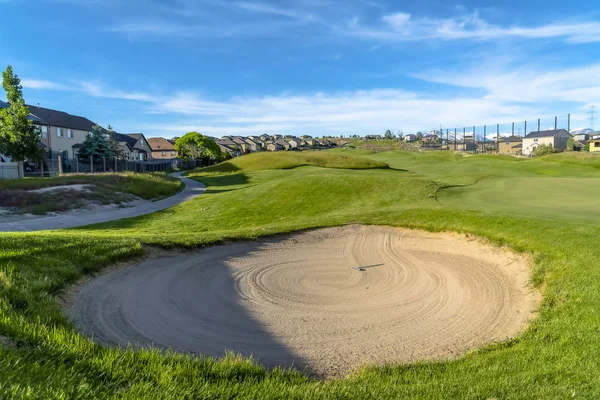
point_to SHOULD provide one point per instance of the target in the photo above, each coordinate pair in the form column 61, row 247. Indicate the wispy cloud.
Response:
column 404, row 27
column 42, row 84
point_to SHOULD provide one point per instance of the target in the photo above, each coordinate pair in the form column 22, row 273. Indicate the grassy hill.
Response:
column 288, row 160
column 489, row 196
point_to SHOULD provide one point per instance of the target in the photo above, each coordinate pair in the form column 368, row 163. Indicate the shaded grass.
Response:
column 557, row 356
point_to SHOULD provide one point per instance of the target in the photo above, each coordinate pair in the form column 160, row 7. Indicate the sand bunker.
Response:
column 327, row 301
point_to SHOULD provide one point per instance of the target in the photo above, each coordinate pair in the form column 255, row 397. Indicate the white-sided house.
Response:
column 555, row 137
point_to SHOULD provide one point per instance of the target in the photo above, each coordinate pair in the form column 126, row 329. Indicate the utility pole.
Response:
column 592, row 113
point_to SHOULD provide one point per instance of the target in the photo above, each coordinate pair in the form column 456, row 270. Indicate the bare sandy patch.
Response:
column 328, row 301
column 77, row 187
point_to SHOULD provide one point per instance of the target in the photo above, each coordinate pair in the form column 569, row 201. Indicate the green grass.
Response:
column 106, row 188
column 287, row 160
column 556, row 357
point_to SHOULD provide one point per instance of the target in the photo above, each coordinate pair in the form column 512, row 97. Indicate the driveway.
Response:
column 192, row 189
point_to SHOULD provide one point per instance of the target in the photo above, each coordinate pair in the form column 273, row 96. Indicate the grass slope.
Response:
column 557, row 357
column 287, row 160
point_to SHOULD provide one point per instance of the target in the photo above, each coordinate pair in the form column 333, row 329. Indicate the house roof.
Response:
column 130, row 140
column 550, row 133
column 31, row 117
column 282, row 142
column 62, row 119
column 160, row 144
column 511, row 139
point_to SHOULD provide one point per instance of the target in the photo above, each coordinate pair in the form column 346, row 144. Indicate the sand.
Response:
column 326, row 301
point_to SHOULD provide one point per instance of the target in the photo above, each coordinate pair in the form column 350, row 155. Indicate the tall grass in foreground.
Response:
column 556, row 357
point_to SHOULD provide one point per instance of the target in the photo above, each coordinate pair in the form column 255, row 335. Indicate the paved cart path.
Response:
column 192, row 189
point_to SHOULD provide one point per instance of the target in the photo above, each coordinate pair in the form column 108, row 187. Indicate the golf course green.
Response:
column 543, row 207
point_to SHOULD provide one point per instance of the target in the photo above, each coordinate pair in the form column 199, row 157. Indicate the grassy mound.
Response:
column 287, row 160
column 556, row 357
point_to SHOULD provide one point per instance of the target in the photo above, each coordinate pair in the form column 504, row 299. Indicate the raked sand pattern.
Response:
column 326, row 301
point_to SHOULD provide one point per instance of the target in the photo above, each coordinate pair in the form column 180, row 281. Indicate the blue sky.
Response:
column 165, row 67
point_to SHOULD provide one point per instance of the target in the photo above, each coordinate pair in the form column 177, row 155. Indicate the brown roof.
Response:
column 160, row 144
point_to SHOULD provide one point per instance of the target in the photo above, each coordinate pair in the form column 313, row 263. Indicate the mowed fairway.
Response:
column 556, row 357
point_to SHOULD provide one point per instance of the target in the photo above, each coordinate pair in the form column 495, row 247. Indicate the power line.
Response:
column 592, row 113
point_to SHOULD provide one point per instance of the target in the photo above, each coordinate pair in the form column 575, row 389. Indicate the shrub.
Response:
column 543, row 149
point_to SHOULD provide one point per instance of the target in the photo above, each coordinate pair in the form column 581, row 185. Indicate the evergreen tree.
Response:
column 19, row 138
column 97, row 144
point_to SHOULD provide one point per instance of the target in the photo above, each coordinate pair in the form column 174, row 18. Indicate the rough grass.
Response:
column 106, row 188
column 287, row 160
column 557, row 357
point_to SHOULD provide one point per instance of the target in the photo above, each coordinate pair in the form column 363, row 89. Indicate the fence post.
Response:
column 91, row 163
column 77, row 164
column 60, row 170
column 104, row 163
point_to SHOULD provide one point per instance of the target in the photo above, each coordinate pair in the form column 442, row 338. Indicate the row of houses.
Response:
column 62, row 134
column 238, row 145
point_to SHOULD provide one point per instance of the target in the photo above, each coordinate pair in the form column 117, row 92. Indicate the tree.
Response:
column 97, row 144
column 400, row 135
column 19, row 138
column 570, row 144
column 113, row 143
column 388, row 134
column 419, row 135
column 542, row 150
column 193, row 146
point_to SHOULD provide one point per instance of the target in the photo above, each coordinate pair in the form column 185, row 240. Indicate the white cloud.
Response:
column 42, row 84
column 403, row 27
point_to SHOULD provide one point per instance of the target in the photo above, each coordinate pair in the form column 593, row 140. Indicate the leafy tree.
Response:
column 97, row 144
column 542, row 150
column 419, row 135
column 400, row 135
column 19, row 138
column 570, row 144
column 388, row 134
column 193, row 146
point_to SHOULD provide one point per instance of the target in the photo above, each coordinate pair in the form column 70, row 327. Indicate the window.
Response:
column 70, row 133
column 164, row 153
column 172, row 154
column 535, row 140
column 59, row 132
column 142, row 144
column 44, row 130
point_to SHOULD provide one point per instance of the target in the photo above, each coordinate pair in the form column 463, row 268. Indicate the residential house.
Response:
column 512, row 145
column 283, row 143
column 311, row 142
column 137, row 147
column 581, row 137
column 594, row 145
column 294, row 143
column 555, row 137
column 61, row 133
column 253, row 145
column 276, row 137
column 161, row 148
column 234, row 151
column 410, row 138
column 274, row 147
